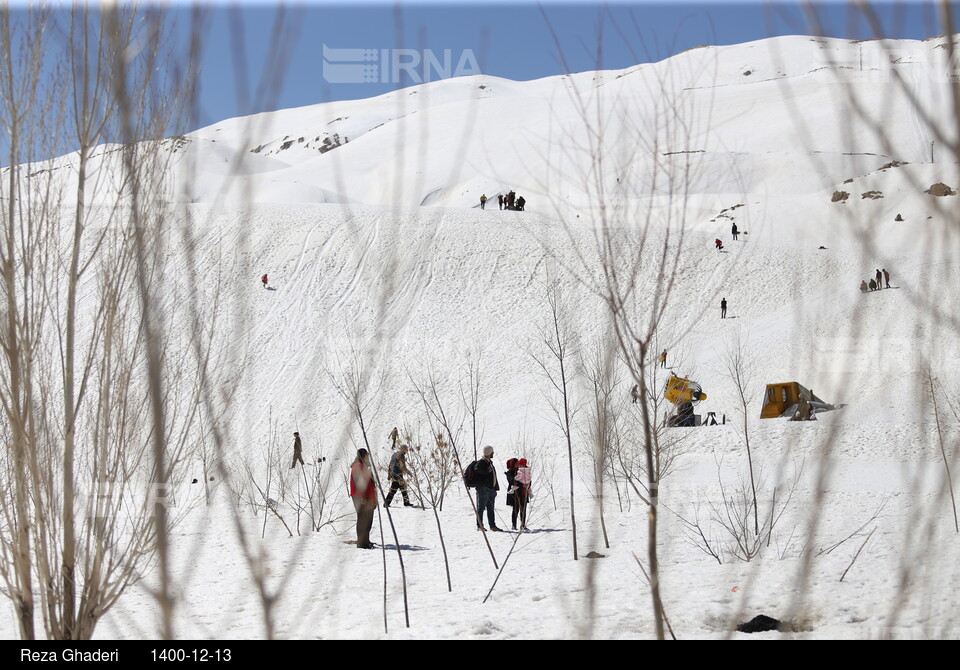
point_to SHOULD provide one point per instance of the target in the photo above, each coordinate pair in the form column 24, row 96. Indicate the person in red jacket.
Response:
column 363, row 491
column 717, row 242
column 264, row 280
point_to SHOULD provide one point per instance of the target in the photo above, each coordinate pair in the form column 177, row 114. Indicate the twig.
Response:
column 663, row 610
column 500, row 571
column 858, row 553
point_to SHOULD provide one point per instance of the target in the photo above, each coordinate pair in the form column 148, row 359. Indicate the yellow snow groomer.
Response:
column 683, row 394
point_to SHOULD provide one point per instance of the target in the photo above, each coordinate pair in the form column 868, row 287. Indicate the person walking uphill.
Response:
column 398, row 468
column 297, row 451
column 487, row 487
column 363, row 491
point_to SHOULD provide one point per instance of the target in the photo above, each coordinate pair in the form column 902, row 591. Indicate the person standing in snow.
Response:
column 879, row 279
column 398, row 468
column 523, row 494
column 297, row 451
column 487, row 487
column 500, row 200
column 393, row 436
column 635, row 393
column 663, row 358
column 483, row 201
column 512, row 488
column 363, row 492
column 863, row 286
column 734, row 231
column 264, row 280
column 517, row 491
column 723, row 308
column 521, row 202
column 886, row 277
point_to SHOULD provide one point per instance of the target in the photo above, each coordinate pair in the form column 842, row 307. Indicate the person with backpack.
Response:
column 363, row 492
column 398, row 468
column 264, row 280
column 485, row 476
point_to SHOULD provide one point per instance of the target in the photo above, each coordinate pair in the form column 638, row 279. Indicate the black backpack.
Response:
column 470, row 478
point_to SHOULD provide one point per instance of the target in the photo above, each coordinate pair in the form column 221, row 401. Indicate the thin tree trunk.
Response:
column 443, row 547
column 566, row 423
column 393, row 529
column 653, row 487
column 943, row 453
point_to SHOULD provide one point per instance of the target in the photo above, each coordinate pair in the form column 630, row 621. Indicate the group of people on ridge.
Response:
column 882, row 277
column 508, row 201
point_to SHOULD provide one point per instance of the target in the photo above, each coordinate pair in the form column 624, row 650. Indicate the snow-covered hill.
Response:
column 365, row 214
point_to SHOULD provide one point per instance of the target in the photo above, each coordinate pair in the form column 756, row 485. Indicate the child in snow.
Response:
column 719, row 244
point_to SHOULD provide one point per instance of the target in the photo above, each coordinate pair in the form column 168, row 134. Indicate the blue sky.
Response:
column 516, row 40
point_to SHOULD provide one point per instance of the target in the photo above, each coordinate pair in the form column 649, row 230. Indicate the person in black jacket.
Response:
column 516, row 494
column 487, row 488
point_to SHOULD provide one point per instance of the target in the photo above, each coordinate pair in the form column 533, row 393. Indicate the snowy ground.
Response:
column 355, row 245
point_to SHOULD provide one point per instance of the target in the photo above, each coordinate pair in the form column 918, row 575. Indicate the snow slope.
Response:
column 377, row 245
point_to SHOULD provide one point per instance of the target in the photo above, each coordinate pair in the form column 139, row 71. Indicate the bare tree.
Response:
column 95, row 527
column 740, row 368
column 557, row 364
column 471, row 394
column 352, row 382
column 429, row 393
column 602, row 418
column 434, row 467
